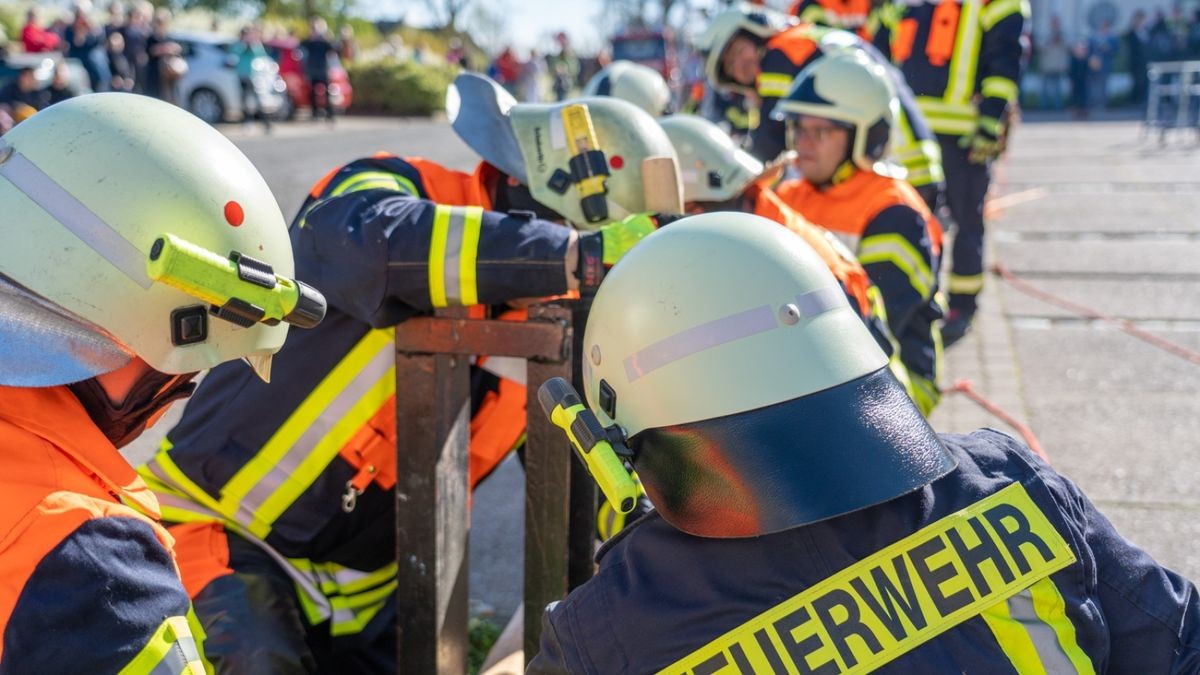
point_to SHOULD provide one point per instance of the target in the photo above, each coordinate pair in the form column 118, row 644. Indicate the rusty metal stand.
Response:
column 433, row 417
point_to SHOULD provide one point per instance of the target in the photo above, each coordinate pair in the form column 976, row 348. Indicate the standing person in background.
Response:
column 1080, row 77
column 136, row 34
column 564, row 67
column 86, row 43
column 116, row 19
column 118, row 64
column 317, row 48
column 1137, row 46
column 160, row 49
column 347, row 47
column 34, row 37
column 248, row 49
column 1102, row 49
column 1053, row 61
column 533, row 74
column 962, row 59
column 60, row 88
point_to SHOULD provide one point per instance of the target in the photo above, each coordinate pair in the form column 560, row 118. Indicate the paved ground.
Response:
column 1087, row 212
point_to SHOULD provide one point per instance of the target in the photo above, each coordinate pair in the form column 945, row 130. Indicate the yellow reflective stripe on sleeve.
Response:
column 352, row 613
column 900, row 597
column 172, row 650
column 989, row 124
column 998, row 10
column 965, row 284
column 966, row 54
column 937, row 107
column 452, row 255
column 199, row 636
column 437, row 256
column 950, row 127
column 999, row 87
column 895, row 249
column 1013, row 640
column 467, row 280
column 813, row 14
column 773, row 85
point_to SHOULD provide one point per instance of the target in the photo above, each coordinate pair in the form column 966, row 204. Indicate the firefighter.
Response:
column 868, row 19
column 963, row 61
column 95, row 343
column 284, row 494
column 753, row 49
column 838, row 115
column 807, row 518
column 640, row 85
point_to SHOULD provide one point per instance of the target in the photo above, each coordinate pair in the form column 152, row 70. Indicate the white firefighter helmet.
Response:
column 640, row 85
column 848, row 87
column 712, row 166
column 591, row 160
column 756, row 21
column 87, row 187
column 752, row 394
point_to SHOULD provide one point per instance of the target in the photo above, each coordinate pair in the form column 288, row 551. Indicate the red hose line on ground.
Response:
column 965, row 388
column 1087, row 312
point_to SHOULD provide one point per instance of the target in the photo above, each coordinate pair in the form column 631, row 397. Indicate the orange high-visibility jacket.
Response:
column 88, row 582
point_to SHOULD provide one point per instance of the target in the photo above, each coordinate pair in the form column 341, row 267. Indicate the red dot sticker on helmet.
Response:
column 234, row 215
column 617, row 161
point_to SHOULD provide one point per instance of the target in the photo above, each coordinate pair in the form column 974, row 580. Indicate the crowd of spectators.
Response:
column 539, row 77
column 1077, row 73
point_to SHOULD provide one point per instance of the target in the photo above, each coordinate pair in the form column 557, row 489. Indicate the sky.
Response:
column 528, row 23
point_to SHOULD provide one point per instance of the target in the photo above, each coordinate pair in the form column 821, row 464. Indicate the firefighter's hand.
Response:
column 984, row 144
column 621, row 235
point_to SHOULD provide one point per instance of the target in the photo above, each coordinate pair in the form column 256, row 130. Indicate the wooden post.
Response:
column 433, row 418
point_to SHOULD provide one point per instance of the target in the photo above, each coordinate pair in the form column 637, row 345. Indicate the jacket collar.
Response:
column 54, row 414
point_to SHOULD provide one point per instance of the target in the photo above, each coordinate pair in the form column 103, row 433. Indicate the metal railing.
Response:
column 1173, row 97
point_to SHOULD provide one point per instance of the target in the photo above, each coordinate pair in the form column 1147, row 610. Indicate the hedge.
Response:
column 396, row 87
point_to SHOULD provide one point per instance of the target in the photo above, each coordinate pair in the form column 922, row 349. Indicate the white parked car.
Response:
column 211, row 90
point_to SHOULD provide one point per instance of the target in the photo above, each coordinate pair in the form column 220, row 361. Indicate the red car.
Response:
column 286, row 52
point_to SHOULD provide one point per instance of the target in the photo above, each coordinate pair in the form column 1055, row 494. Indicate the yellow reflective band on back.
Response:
column 966, row 54
column 437, row 256
column 999, row 87
column 965, row 284
column 371, row 180
column 1013, row 640
column 895, row 249
column 296, row 426
column 898, row 598
column 1052, row 610
column 773, row 85
column 998, row 10
column 331, row 443
column 936, row 107
column 172, row 649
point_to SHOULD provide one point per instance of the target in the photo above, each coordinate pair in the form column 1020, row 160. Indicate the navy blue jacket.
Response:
column 1103, row 606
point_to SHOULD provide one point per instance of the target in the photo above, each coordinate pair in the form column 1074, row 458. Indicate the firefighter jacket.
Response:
column 899, row 243
column 962, row 59
column 305, row 466
column 843, row 13
column 1002, row 566
column 913, row 144
column 90, row 583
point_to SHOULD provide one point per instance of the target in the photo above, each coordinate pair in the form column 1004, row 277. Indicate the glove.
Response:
column 985, row 143
column 602, row 249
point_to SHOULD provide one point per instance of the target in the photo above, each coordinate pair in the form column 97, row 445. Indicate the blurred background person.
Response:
column 316, row 48
column 248, row 49
column 118, row 64
column 1054, row 60
column 162, row 59
column 1137, row 47
column 34, row 37
column 85, row 41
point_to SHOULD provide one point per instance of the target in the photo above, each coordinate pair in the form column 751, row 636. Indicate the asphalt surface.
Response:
column 1085, row 211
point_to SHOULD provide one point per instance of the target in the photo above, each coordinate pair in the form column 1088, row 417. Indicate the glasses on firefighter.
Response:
column 817, row 132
